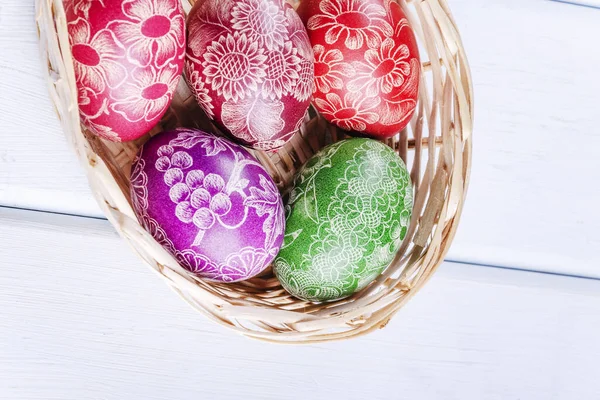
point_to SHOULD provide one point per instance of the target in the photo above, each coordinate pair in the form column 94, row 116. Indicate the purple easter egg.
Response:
column 208, row 202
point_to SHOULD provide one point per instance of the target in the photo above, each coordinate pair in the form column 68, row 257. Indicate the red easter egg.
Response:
column 128, row 58
column 367, row 65
column 250, row 66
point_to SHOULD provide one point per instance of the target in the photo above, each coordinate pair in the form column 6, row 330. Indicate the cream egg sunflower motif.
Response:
column 281, row 72
column 234, row 66
column 120, row 48
column 252, row 61
column 306, row 81
column 262, row 21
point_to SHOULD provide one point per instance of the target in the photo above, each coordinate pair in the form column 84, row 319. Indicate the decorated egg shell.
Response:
column 367, row 65
column 250, row 66
column 209, row 203
column 128, row 57
column 347, row 214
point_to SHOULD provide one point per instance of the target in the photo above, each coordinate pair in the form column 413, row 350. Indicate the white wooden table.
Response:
column 513, row 314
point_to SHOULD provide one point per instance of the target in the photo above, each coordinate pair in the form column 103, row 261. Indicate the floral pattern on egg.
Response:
column 367, row 66
column 127, row 57
column 250, row 66
column 209, row 203
column 347, row 215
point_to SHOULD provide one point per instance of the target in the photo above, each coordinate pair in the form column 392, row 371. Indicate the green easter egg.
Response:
column 346, row 217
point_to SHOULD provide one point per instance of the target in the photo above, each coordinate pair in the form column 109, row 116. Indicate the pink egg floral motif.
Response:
column 94, row 59
column 127, row 57
column 209, row 203
column 367, row 67
column 155, row 28
column 250, row 66
column 146, row 95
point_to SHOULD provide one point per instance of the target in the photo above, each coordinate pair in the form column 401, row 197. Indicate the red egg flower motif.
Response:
column 384, row 69
column 261, row 21
column 94, row 58
column 146, row 95
column 330, row 70
column 353, row 113
column 355, row 20
column 234, row 66
column 282, row 72
column 157, row 29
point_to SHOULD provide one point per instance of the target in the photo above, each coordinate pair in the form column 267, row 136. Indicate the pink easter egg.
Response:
column 208, row 202
column 250, row 66
column 128, row 58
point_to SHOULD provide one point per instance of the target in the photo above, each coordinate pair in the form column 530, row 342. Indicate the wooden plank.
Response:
column 585, row 3
column 37, row 169
column 533, row 198
column 83, row 318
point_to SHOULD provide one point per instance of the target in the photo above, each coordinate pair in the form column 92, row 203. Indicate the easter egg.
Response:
column 250, row 65
column 127, row 57
column 367, row 66
column 347, row 214
column 209, row 203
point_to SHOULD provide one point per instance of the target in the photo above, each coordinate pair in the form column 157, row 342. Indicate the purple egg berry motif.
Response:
column 208, row 202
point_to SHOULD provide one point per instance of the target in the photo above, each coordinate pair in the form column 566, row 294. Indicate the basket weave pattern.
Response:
column 436, row 147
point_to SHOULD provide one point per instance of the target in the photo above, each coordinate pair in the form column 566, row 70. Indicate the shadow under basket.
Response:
column 436, row 147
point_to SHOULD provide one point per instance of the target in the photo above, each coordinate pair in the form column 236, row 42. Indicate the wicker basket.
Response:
column 436, row 147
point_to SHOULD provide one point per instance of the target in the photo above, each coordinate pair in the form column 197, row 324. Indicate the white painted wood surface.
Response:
column 533, row 201
column 587, row 3
column 37, row 170
column 533, row 198
column 82, row 318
